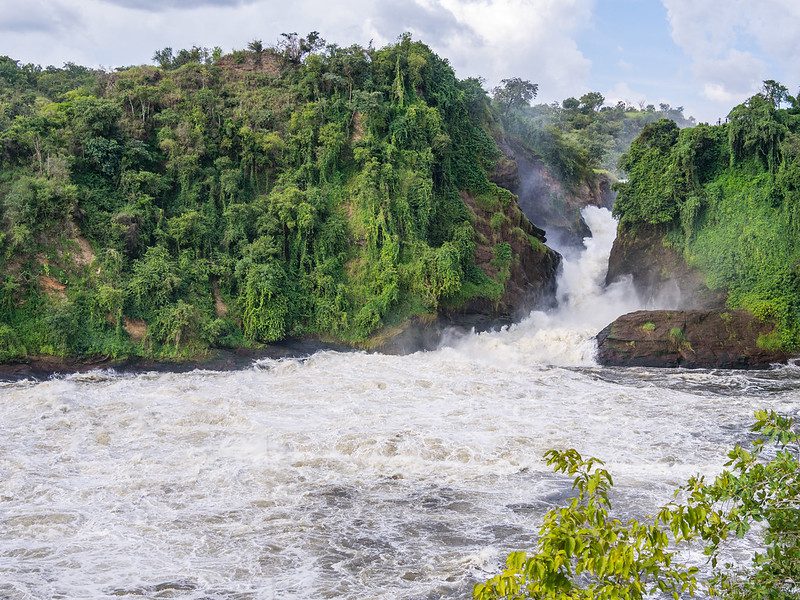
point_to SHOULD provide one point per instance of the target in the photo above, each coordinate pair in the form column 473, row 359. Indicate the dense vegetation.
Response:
column 581, row 135
column 232, row 200
column 728, row 196
column 583, row 553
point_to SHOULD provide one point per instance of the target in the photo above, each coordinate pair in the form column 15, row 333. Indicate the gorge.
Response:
column 303, row 321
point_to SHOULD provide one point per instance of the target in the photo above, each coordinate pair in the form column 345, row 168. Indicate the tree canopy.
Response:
column 227, row 200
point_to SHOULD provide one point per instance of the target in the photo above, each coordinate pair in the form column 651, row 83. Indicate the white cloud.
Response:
column 736, row 73
column 717, row 93
column 35, row 17
column 621, row 92
column 736, row 44
column 166, row 4
column 533, row 39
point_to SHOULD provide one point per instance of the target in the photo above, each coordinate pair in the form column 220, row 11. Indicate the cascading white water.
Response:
column 565, row 336
column 347, row 475
column 584, row 299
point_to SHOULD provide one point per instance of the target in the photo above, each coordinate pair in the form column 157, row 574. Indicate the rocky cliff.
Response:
column 529, row 276
column 545, row 198
column 708, row 220
column 660, row 273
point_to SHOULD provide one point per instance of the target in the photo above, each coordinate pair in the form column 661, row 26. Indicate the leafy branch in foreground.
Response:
column 584, row 553
column 762, row 486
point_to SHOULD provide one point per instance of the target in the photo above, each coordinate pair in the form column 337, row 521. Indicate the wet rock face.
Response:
column 533, row 271
column 660, row 274
column 544, row 199
column 686, row 338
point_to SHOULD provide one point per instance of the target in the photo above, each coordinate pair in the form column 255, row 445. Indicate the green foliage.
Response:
column 760, row 488
column 502, row 255
column 497, row 221
column 677, row 335
column 265, row 313
column 38, row 203
column 649, row 195
column 584, row 553
column 10, row 344
column 317, row 189
column 515, row 93
column 581, row 136
column 176, row 325
column 154, row 281
column 756, row 130
column 727, row 196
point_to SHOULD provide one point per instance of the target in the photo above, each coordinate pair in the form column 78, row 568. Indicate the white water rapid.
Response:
column 348, row 475
column 566, row 336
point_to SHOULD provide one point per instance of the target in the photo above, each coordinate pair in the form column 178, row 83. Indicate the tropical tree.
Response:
column 592, row 101
column 775, row 92
column 163, row 58
column 515, row 93
column 257, row 48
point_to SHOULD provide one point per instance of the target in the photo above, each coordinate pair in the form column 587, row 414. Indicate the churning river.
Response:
column 349, row 475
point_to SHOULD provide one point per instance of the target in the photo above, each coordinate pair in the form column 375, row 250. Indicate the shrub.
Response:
column 497, row 221
column 584, row 553
column 10, row 344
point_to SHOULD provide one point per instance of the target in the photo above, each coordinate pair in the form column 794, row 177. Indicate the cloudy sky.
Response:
column 705, row 55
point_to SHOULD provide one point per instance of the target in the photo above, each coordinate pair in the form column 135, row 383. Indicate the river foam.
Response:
column 344, row 475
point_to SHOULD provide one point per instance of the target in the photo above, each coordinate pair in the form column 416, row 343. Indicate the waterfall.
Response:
column 565, row 335
column 351, row 475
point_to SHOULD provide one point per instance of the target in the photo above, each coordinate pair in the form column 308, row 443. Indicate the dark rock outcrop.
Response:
column 660, row 273
column 431, row 332
column 534, row 267
column 687, row 338
column 545, row 199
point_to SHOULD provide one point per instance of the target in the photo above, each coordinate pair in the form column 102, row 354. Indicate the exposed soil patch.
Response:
column 220, row 308
column 268, row 63
column 52, row 287
column 85, row 255
column 135, row 328
column 358, row 128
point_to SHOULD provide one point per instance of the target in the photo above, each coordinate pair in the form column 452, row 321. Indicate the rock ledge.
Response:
column 687, row 338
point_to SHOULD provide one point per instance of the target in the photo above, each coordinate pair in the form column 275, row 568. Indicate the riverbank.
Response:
column 411, row 336
column 44, row 367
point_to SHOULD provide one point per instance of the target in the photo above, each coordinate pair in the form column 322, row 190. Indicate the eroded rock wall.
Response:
column 545, row 199
column 660, row 274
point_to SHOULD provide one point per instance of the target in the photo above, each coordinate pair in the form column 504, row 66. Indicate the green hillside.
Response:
column 728, row 197
column 235, row 200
